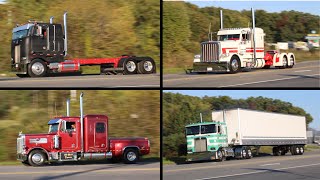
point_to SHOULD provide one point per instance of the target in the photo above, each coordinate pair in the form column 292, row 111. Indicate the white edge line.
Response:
column 255, row 172
column 266, row 81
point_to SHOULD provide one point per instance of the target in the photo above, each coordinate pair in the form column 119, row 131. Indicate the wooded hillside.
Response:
column 96, row 28
column 180, row 110
column 186, row 25
column 131, row 114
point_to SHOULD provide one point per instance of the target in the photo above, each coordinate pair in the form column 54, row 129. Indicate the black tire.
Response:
column 290, row 62
column 22, row 75
column 244, row 153
column 285, row 62
column 130, row 66
column 220, row 155
column 37, row 68
column 146, row 66
column 234, row 65
column 276, row 151
column 130, row 156
column 301, row 151
column 37, row 158
column 25, row 163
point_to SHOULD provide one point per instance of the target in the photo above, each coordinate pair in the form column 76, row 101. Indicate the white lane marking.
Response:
column 302, row 71
column 270, row 164
column 256, row 172
column 257, row 82
column 135, row 86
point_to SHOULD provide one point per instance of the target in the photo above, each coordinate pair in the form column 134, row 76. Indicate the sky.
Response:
column 312, row 7
column 309, row 100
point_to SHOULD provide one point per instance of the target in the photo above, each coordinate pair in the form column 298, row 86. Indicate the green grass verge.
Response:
column 8, row 163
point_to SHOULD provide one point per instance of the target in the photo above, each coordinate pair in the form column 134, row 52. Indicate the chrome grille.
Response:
column 20, row 144
column 200, row 145
column 17, row 54
column 210, row 52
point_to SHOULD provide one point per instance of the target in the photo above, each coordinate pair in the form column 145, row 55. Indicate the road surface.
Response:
column 287, row 167
column 304, row 74
column 83, row 81
column 83, row 172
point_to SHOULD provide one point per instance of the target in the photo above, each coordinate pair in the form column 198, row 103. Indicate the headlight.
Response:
column 196, row 58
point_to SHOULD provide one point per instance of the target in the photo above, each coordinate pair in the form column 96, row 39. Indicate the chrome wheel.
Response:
column 131, row 156
column 301, row 150
column 234, row 65
column 147, row 65
column 37, row 158
column 131, row 66
column 244, row 153
column 37, row 68
column 285, row 62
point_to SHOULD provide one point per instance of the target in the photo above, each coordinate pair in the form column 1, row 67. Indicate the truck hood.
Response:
column 44, row 141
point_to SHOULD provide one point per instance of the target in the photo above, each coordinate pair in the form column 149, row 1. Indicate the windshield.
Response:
column 205, row 129
column 229, row 37
column 19, row 34
column 53, row 128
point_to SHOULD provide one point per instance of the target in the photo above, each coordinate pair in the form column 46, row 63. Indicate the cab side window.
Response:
column 70, row 126
column 100, row 127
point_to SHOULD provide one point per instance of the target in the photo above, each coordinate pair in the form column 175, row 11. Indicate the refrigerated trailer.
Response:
column 234, row 132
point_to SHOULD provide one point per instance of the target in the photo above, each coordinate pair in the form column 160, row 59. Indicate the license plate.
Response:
column 209, row 68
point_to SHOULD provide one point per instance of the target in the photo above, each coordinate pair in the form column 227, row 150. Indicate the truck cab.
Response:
column 205, row 140
column 36, row 40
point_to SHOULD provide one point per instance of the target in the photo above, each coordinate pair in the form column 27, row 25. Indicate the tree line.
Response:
column 185, row 25
column 180, row 110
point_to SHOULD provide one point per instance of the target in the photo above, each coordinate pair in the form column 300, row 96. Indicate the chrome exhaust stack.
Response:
column 68, row 107
column 51, row 19
column 81, row 121
column 65, row 33
column 254, row 36
column 221, row 20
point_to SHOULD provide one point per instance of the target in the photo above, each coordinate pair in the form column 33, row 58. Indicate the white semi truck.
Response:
column 238, row 48
column 234, row 132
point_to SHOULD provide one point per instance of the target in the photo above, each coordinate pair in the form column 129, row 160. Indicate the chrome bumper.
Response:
column 210, row 67
column 201, row 156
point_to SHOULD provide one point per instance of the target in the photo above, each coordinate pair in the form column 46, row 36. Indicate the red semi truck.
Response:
column 78, row 138
column 39, row 48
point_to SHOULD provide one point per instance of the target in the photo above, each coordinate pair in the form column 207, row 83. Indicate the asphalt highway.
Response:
column 84, row 81
column 286, row 167
column 303, row 74
column 137, row 171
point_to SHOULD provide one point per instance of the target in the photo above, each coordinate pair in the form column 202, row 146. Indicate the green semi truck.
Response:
column 235, row 133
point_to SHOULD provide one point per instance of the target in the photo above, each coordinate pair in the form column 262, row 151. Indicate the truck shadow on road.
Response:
column 275, row 172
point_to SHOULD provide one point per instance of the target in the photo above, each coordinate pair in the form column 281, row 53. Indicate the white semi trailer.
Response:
column 234, row 132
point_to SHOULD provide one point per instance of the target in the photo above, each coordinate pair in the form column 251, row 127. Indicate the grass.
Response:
column 10, row 163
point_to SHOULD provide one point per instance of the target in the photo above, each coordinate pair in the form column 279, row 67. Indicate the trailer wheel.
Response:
column 37, row 158
column 276, row 151
column 130, row 67
column 37, row 68
column 249, row 153
column 301, row 151
column 234, row 64
column 243, row 153
column 130, row 156
column 146, row 66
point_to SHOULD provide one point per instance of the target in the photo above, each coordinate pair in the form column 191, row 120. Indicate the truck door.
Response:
column 100, row 136
column 243, row 42
column 39, row 39
column 68, row 135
